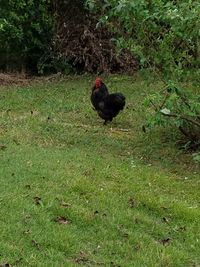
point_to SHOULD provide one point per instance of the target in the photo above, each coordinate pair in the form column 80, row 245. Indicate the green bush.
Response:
column 163, row 34
column 175, row 107
column 26, row 30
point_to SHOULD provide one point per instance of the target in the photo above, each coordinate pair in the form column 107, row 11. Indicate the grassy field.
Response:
column 77, row 193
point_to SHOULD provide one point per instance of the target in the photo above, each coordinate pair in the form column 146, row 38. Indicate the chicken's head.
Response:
column 98, row 82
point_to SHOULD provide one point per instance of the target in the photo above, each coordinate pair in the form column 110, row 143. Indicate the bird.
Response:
column 107, row 105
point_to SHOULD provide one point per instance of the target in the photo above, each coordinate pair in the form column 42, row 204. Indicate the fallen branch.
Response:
column 183, row 118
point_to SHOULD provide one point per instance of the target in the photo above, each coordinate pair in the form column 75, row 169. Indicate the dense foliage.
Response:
column 26, row 29
column 175, row 107
column 161, row 33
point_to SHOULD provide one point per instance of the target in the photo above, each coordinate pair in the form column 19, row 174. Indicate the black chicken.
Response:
column 107, row 105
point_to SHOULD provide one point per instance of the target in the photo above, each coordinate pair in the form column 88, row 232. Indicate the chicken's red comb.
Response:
column 98, row 82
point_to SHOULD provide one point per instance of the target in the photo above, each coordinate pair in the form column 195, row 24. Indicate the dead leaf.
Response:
column 3, row 147
column 165, row 220
column 120, row 227
column 35, row 244
column 37, row 200
column 165, row 242
column 182, row 229
column 26, row 232
column 64, row 204
column 16, row 142
column 122, row 231
column 131, row 202
column 62, row 220
column 82, row 259
column 164, row 208
column 26, row 219
column 125, row 235
column 5, row 265
column 114, row 264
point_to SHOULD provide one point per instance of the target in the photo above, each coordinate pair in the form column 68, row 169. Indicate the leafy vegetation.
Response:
column 164, row 34
column 26, row 31
column 75, row 192
column 173, row 107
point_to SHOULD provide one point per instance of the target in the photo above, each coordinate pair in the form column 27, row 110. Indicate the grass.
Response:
column 75, row 192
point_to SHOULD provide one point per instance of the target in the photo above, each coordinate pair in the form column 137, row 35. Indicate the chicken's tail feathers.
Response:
column 119, row 100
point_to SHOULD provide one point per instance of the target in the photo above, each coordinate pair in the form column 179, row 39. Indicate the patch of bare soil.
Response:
column 12, row 79
column 7, row 79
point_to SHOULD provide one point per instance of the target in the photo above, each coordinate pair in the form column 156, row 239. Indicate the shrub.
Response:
column 161, row 33
column 175, row 107
column 26, row 29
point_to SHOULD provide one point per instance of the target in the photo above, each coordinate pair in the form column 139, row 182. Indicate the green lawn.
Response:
column 77, row 193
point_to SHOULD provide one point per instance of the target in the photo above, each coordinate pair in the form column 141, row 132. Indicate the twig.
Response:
column 183, row 118
column 164, row 101
column 121, row 130
column 156, row 108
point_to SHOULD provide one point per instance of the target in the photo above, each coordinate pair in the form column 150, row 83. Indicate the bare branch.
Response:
column 164, row 101
column 183, row 118
column 153, row 104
